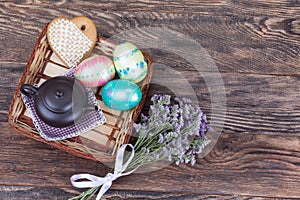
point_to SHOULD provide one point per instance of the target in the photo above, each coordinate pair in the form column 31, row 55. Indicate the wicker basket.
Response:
column 100, row 143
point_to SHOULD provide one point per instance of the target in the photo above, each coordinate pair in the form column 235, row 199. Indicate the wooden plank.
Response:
column 213, row 7
column 10, row 75
column 31, row 193
column 243, row 41
column 255, row 103
column 246, row 164
column 255, row 45
column 3, row 116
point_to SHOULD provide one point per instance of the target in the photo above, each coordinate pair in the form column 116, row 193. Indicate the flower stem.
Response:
column 86, row 195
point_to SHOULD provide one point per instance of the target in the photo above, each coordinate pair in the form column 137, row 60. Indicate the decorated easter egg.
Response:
column 129, row 62
column 95, row 71
column 121, row 94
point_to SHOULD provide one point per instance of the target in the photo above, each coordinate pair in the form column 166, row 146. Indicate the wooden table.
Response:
column 255, row 45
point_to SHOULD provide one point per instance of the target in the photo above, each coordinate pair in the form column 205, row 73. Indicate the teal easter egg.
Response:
column 130, row 63
column 95, row 71
column 121, row 94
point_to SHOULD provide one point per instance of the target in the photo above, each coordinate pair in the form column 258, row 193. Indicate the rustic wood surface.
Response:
column 256, row 46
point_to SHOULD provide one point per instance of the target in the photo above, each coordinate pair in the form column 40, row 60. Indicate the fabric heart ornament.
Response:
column 72, row 40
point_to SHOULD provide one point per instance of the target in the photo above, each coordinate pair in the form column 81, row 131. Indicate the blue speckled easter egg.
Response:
column 121, row 94
column 130, row 62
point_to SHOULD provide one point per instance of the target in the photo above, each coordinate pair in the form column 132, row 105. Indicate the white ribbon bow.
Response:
column 106, row 182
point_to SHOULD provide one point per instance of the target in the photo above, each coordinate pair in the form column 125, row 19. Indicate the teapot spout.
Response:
column 90, row 108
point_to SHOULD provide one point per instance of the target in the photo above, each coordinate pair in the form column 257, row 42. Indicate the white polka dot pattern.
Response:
column 68, row 41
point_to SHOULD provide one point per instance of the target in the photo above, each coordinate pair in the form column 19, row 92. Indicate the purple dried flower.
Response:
column 144, row 117
column 161, row 138
column 155, row 98
column 174, row 132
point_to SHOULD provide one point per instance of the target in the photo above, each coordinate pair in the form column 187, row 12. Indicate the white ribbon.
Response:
column 106, row 182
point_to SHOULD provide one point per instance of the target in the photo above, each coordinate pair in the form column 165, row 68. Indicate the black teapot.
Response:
column 60, row 101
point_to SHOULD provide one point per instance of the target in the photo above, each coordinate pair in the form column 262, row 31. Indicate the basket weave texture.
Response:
column 99, row 143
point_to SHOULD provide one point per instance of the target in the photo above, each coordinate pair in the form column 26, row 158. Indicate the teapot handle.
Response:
column 29, row 90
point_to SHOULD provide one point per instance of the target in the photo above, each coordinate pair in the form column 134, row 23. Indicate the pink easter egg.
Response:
column 95, row 71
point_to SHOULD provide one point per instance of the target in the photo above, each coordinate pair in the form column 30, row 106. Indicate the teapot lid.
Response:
column 60, row 94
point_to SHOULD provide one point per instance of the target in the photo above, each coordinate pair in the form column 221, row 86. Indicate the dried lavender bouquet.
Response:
column 171, row 132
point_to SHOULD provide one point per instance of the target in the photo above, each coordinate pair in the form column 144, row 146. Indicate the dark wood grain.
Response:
column 243, row 41
column 31, row 193
column 10, row 75
column 237, row 162
column 256, row 47
column 255, row 103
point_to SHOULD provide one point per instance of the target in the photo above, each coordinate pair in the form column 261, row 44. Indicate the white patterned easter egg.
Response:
column 95, row 71
column 129, row 62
